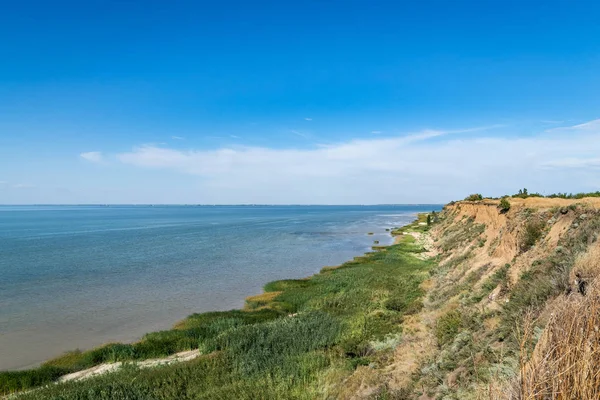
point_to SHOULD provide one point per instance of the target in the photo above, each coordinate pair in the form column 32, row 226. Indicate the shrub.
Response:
column 474, row 197
column 504, row 205
column 533, row 231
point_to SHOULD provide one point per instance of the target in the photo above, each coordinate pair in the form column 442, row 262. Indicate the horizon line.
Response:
column 215, row 204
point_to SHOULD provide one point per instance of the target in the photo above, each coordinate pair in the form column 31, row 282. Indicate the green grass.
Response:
column 447, row 327
column 459, row 233
column 185, row 336
column 298, row 340
column 534, row 230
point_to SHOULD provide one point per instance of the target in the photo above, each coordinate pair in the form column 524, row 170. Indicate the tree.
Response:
column 428, row 219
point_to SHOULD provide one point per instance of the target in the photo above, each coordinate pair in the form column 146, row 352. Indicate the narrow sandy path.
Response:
column 111, row 367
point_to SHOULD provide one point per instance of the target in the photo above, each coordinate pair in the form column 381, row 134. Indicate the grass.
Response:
column 534, row 230
column 447, row 327
column 186, row 335
column 459, row 233
column 299, row 339
column 565, row 364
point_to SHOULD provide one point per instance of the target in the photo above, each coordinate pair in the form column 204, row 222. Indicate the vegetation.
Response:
column 447, row 327
column 568, row 349
column 474, row 197
column 504, row 205
column 491, row 324
column 574, row 196
column 297, row 340
column 461, row 232
column 534, row 230
column 434, row 217
column 523, row 194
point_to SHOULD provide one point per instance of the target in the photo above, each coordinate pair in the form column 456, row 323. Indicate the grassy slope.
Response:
column 298, row 340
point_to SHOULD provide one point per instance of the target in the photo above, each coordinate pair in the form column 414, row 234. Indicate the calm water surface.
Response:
column 79, row 276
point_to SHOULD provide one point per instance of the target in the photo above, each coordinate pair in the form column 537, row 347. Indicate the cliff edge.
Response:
column 512, row 310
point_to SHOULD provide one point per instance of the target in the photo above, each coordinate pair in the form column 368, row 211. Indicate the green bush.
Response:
column 474, row 197
column 504, row 205
column 534, row 230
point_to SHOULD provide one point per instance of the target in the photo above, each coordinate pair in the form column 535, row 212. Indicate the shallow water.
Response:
column 79, row 276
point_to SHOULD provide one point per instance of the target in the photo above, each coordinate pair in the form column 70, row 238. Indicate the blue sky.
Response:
column 297, row 101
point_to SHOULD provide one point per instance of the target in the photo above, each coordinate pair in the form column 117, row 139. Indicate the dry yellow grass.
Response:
column 260, row 300
column 566, row 361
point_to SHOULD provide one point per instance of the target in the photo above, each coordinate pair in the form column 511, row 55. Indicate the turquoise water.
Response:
column 79, row 276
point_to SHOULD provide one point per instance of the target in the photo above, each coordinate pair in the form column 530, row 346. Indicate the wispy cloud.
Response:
column 234, row 136
column 590, row 126
column 308, row 119
column 177, row 138
column 301, row 134
column 573, row 162
column 413, row 166
column 375, row 132
column 92, row 156
column 23, row 186
column 551, row 121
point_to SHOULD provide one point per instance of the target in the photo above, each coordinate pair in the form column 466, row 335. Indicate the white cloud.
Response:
column 590, row 126
column 375, row 132
column 92, row 156
column 308, row 119
column 23, row 186
column 572, row 162
column 234, row 136
column 177, row 138
column 409, row 168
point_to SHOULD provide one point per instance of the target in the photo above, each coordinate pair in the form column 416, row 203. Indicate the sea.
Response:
column 75, row 277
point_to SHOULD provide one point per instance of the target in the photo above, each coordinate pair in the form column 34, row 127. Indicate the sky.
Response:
column 296, row 102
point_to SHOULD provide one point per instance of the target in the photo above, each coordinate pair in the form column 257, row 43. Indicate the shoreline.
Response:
column 125, row 293
column 243, row 304
column 279, row 299
column 194, row 353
